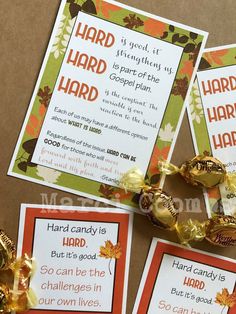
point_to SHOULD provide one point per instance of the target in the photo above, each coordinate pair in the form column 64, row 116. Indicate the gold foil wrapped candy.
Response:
column 7, row 251
column 15, row 300
column 202, row 170
column 190, row 230
column 219, row 230
column 133, row 180
column 154, row 202
column 22, row 298
column 159, row 207
column 23, row 269
column 161, row 210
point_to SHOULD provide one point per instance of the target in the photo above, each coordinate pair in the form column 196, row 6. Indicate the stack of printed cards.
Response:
column 111, row 95
column 82, row 257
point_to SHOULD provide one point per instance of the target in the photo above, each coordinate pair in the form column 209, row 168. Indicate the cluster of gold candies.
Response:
column 18, row 298
column 161, row 210
column 203, row 170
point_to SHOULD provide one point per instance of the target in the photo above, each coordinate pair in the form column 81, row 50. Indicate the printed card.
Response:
column 110, row 96
column 212, row 113
column 185, row 281
column 82, row 257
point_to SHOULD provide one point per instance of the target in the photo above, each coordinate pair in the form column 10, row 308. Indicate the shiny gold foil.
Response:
column 191, row 230
column 7, row 251
column 20, row 301
column 159, row 207
column 23, row 268
column 221, row 231
column 4, row 297
column 16, row 300
column 205, row 171
column 133, row 180
column 22, row 298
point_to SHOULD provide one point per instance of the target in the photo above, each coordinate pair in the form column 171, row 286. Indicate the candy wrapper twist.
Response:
column 21, row 298
column 161, row 210
column 202, row 170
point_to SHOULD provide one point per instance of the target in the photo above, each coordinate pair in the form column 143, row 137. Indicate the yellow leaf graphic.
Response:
column 110, row 251
column 225, row 298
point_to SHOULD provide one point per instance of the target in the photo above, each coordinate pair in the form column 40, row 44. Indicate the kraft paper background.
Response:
column 25, row 28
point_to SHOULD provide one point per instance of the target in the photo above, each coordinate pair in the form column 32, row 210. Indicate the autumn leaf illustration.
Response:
column 33, row 126
column 106, row 191
column 154, row 27
column 110, row 251
column 204, row 64
column 122, row 195
column 216, row 56
column 89, row 7
column 25, row 158
column 35, row 120
column 187, row 68
column 133, row 21
column 181, row 87
column 193, row 51
column 108, row 8
column 45, row 96
column 225, row 299
column 86, row 6
column 74, row 9
column 62, row 37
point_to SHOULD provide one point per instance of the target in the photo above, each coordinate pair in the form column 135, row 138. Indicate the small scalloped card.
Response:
column 82, row 257
column 110, row 96
column 212, row 115
column 180, row 280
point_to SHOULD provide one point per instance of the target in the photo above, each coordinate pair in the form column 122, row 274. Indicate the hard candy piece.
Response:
column 191, row 230
column 159, row 207
column 7, row 251
column 205, row 171
column 221, row 231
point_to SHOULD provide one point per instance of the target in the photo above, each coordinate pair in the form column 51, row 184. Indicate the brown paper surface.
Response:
column 25, row 30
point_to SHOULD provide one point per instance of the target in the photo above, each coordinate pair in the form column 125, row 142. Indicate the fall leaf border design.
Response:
column 191, row 44
column 211, row 59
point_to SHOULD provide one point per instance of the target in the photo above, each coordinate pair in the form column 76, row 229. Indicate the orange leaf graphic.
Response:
column 30, row 131
column 34, row 121
column 107, row 8
column 154, row 27
column 42, row 110
column 33, row 125
column 225, row 298
column 110, row 250
column 217, row 55
column 122, row 195
column 187, row 68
